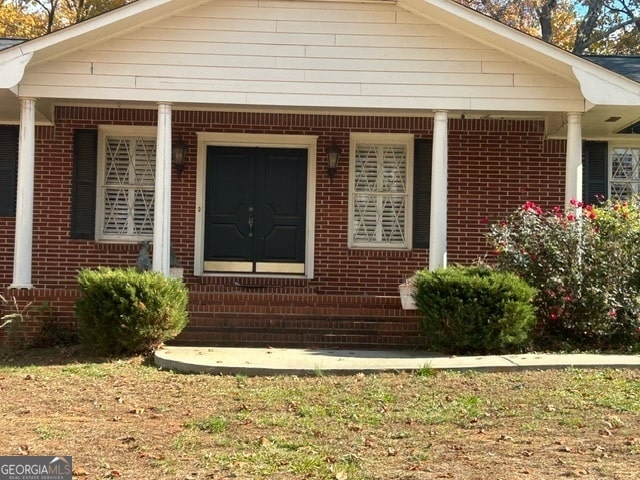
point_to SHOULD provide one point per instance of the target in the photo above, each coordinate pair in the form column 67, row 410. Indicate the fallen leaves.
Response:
column 129, row 422
column 80, row 472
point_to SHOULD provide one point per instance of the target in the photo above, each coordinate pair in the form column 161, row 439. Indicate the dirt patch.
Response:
column 127, row 419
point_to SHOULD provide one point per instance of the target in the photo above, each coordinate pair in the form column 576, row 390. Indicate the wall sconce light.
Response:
column 178, row 155
column 333, row 154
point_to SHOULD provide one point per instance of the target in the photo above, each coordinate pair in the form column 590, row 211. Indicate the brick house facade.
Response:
column 481, row 186
column 346, row 293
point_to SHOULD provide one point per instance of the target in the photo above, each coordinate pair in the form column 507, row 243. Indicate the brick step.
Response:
column 302, row 332
column 305, row 304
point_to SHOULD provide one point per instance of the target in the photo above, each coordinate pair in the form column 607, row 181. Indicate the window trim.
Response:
column 382, row 139
column 105, row 131
column 612, row 146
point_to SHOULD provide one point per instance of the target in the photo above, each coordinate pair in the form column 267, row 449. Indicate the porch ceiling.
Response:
column 599, row 123
column 10, row 111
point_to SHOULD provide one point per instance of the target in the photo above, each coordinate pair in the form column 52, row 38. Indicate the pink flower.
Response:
column 484, row 220
column 571, row 217
column 592, row 215
column 503, row 223
column 613, row 313
column 532, row 207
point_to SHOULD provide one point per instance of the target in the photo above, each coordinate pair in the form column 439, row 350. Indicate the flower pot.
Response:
column 407, row 296
column 176, row 272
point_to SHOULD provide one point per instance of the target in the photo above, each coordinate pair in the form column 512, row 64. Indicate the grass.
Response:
column 209, row 425
column 126, row 418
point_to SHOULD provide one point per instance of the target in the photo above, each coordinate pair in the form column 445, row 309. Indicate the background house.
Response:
column 443, row 119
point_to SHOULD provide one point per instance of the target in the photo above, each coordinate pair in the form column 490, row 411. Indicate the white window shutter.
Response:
column 129, row 184
column 380, row 195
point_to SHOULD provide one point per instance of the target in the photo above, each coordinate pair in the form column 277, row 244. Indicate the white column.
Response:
column 438, row 221
column 162, row 212
column 573, row 175
column 24, row 202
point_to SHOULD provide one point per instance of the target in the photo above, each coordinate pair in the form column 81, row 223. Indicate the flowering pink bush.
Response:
column 585, row 265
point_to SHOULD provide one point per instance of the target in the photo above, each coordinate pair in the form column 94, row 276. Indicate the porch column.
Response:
column 22, row 251
column 162, row 211
column 438, row 221
column 573, row 175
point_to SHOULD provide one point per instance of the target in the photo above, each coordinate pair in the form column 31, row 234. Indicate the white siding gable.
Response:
column 301, row 54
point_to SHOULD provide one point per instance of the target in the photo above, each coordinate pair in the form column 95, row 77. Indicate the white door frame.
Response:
column 206, row 139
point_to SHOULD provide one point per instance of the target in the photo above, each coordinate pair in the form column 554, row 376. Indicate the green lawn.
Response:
column 127, row 419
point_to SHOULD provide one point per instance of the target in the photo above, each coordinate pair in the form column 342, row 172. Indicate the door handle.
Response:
column 250, row 221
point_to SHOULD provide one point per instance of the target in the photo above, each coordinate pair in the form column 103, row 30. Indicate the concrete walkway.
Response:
column 288, row 361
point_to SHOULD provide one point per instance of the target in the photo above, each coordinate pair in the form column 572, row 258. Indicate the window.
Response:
column 624, row 180
column 126, row 184
column 381, row 180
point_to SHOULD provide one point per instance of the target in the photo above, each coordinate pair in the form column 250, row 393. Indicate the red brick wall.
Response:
column 494, row 165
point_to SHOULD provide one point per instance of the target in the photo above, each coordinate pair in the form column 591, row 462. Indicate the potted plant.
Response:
column 175, row 268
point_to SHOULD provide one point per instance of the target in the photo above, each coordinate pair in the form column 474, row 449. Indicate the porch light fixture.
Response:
column 178, row 155
column 333, row 154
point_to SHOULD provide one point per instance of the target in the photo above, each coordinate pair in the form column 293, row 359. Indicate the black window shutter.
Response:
column 595, row 171
column 83, row 187
column 8, row 169
column 422, row 153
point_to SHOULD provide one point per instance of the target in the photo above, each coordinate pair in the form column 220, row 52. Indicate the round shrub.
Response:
column 585, row 265
column 474, row 310
column 124, row 311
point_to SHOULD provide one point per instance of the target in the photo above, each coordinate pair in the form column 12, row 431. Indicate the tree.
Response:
column 583, row 27
column 79, row 10
column 32, row 18
column 17, row 22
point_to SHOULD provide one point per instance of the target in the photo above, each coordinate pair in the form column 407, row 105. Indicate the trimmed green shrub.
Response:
column 474, row 310
column 123, row 311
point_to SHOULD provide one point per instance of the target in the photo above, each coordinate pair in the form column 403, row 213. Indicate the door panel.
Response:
column 280, row 211
column 255, row 211
column 229, row 196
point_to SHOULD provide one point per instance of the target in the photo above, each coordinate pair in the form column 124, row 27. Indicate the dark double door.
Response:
column 255, row 210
